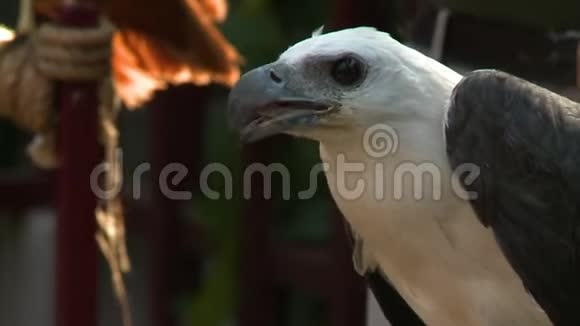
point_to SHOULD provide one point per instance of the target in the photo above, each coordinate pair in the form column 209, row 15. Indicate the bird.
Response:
column 460, row 190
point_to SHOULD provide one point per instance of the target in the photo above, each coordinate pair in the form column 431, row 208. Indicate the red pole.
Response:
column 257, row 306
column 177, row 116
column 79, row 152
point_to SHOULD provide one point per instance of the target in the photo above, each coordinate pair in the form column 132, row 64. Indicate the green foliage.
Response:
column 214, row 303
column 560, row 14
column 9, row 12
column 261, row 30
column 13, row 143
column 305, row 309
column 9, row 225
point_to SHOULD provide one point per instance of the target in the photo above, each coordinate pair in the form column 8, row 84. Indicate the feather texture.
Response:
column 526, row 141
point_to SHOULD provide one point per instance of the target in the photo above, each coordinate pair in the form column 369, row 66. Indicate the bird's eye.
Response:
column 347, row 71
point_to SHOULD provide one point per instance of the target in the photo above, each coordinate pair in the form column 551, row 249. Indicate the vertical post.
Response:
column 177, row 122
column 256, row 306
column 348, row 298
column 79, row 152
column 379, row 14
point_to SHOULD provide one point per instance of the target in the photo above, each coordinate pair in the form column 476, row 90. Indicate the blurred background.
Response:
column 256, row 262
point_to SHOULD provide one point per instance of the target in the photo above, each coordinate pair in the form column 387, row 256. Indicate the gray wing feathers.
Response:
column 526, row 142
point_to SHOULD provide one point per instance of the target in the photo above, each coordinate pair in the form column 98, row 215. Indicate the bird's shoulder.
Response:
column 525, row 142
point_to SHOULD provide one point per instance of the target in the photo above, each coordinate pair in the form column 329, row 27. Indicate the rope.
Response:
column 18, row 76
column 26, row 22
column 109, row 214
column 34, row 62
column 64, row 53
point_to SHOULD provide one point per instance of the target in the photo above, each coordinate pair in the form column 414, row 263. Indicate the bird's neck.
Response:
column 394, row 142
column 404, row 147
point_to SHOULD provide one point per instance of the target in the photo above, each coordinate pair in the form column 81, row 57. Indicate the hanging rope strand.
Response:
column 53, row 52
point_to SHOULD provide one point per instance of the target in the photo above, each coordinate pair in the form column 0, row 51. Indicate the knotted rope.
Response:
column 30, row 64
column 28, row 68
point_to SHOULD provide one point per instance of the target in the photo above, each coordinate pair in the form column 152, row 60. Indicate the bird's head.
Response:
column 343, row 80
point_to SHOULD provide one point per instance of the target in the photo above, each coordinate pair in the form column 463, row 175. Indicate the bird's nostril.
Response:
column 275, row 77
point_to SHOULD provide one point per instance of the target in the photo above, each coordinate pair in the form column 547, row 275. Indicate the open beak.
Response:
column 262, row 105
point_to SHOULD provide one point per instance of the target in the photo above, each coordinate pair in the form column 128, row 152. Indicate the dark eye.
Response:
column 347, row 71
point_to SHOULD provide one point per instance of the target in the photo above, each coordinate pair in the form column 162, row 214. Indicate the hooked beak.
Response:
column 262, row 105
